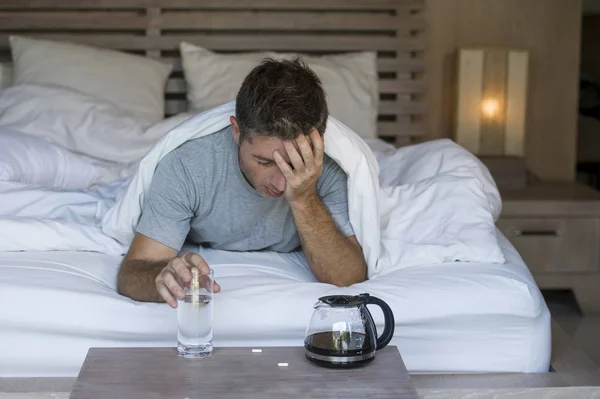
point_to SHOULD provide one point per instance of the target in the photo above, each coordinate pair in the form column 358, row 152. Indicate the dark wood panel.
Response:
column 72, row 20
column 238, row 42
column 218, row 4
column 390, row 65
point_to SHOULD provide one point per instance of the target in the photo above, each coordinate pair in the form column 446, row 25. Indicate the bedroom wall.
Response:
column 550, row 30
column 590, row 45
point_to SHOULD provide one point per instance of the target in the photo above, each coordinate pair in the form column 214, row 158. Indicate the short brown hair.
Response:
column 281, row 99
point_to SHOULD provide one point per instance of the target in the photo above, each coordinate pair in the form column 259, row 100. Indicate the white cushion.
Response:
column 131, row 82
column 79, row 122
column 5, row 74
column 31, row 160
column 349, row 80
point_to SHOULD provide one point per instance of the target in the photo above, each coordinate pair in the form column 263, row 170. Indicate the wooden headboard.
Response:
column 393, row 28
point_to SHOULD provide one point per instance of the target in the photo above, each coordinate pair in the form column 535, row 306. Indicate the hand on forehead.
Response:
column 312, row 140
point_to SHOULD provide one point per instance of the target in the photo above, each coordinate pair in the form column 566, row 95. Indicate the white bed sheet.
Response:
column 452, row 317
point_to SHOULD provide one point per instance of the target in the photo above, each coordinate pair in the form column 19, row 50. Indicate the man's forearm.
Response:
column 137, row 280
column 333, row 257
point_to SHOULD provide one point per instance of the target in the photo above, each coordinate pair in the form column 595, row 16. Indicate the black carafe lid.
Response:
column 345, row 301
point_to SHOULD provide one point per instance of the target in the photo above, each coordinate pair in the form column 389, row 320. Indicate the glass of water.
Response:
column 195, row 317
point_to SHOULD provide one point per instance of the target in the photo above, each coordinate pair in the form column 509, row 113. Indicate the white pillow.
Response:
column 76, row 121
column 31, row 160
column 350, row 81
column 133, row 83
column 5, row 74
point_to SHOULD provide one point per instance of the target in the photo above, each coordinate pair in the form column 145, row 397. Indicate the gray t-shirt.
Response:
column 199, row 193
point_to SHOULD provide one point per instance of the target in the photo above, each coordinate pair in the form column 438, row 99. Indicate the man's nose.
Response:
column 279, row 181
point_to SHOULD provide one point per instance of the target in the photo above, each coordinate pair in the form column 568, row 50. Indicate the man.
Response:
column 262, row 183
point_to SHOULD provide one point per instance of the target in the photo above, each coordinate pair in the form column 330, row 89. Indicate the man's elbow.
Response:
column 347, row 282
column 122, row 286
column 351, row 278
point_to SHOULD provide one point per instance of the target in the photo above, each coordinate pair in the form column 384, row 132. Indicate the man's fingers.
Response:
column 195, row 260
column 205, row 282
column 180, row 266
column 305, row 150
column 295, row 158
column 318, row 144
column 283, row 166
column 166, row 295
column 173, row 286
column 173, row 279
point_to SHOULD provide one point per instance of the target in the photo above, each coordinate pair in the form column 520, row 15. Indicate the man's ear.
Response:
column 235, row 129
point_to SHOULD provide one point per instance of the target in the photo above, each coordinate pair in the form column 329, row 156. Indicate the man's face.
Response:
column 258, row 164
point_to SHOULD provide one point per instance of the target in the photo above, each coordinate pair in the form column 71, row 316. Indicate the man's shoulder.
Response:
column 201, row 152
column 211, row 144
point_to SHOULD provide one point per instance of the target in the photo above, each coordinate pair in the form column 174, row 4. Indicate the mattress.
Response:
column 450, row 318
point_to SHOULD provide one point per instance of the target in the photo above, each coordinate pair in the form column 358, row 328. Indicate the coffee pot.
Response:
column 342, row 333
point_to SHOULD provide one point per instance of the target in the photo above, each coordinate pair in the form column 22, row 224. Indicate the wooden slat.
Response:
column 175, row 105
column 69, row 20
column 153, row 31
column 401, row 107
column 298, row 5
column 399, row 86
column 386, row 107
column 400, row 64
column 383, row 64
column 399, row 129
column 217, row 4
column 102, row 20
column 294, row 42
column 260, row 20
column 239, row 42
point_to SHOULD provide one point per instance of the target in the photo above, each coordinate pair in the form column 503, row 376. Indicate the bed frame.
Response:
column 154, row 28
column 393, row 28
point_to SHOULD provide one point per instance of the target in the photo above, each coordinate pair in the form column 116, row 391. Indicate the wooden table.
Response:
column 574, row 376
column 236, row 373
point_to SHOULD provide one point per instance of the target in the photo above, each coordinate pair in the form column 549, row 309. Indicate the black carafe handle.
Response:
column 390, row 323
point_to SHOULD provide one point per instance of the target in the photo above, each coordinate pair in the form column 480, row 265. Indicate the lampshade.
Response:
column 491, row 101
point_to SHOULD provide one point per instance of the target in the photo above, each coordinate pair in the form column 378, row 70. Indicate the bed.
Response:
column 449, row 317
column 480, row 312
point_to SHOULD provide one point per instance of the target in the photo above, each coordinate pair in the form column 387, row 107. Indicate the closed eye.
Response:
column 265, row 163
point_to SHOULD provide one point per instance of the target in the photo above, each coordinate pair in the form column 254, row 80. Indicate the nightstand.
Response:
column 556, row 229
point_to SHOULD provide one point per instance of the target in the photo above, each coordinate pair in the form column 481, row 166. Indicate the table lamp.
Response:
column 491, row 101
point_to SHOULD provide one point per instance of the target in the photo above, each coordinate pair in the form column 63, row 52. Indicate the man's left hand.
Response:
column 306, row 167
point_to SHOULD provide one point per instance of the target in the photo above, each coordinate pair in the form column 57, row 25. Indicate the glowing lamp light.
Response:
column 490, row 107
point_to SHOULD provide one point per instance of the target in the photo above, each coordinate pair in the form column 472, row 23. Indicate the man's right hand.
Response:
column 174, row 277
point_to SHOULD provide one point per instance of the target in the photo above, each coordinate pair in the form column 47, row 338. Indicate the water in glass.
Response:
column 195, row 323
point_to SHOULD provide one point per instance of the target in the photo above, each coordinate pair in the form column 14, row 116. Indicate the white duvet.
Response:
column 422, row 204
